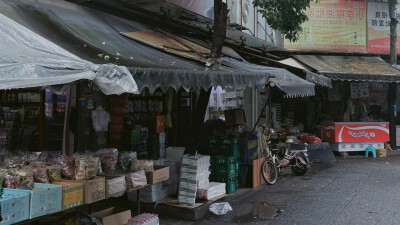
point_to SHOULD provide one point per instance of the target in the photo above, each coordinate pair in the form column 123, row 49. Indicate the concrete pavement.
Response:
column 354, row 190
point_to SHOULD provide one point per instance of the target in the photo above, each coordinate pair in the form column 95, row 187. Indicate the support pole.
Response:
column 393, row 61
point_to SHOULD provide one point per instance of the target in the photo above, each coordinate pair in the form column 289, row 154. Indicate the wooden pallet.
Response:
column 174, row 202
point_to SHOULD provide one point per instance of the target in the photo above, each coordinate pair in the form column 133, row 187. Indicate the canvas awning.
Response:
column 292, row 85
column 29, row 60
column 351, row 68
column 242, row 74
column 310, row 76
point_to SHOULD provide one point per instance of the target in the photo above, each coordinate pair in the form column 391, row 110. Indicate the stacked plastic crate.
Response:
column 225, row 161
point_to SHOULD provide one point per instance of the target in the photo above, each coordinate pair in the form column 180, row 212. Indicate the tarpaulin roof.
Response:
column 29, row 60
column 351, row 68
column 289, row 83
column 95, row 36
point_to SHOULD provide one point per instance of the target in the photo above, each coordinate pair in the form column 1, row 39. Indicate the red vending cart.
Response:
column 355, row 136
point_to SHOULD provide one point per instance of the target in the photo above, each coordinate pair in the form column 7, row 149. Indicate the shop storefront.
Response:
column 356, row 112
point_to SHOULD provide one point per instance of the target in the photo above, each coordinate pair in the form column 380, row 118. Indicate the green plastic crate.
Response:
column 232, row 182
column 213, row 145
column 225, row 165
column 229, row 146
column 135, row 136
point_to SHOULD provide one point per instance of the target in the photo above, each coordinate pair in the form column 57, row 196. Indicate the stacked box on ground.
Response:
column 193, row 169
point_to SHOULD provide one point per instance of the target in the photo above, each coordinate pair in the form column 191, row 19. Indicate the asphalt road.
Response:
column 354, row 190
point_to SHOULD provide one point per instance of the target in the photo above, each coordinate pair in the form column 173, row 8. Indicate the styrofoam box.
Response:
column 14, row 206
column 355, row 146
column 46, row 200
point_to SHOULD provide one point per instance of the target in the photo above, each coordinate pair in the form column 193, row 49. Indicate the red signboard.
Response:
column 355, row 132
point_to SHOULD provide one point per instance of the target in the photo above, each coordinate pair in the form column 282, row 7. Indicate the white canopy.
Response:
column 29, row 60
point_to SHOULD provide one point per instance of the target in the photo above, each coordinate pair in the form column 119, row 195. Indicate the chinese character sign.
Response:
column 333, row 25
column 379, row 27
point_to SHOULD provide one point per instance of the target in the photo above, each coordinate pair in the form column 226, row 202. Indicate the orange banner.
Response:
column 333, row 25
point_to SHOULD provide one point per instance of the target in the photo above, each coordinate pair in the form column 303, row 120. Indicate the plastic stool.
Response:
column 370, row 149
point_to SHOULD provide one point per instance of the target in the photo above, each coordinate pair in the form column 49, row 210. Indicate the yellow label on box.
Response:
column 100, row 186
column 73, row 196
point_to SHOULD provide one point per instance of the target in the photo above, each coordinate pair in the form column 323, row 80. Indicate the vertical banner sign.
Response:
column 363, row 90
column 354, row 90
column 379, row 27
column 333, row 25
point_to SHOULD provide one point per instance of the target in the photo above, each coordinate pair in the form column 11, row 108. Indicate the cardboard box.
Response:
column 149, row 197
column 115, row 186
column 14, row 206
column 235, row 117
column 72, row 194
column 95, row 189
column 154, row 123
column 46, row 200
column 113, row 216
column 159, row 174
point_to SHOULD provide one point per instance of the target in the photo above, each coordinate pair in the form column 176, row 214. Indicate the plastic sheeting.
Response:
column 95, row 36
column 29, row 60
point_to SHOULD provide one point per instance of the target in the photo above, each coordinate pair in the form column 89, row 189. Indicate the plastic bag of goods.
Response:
column 220, row 208
column 86, row 167
column 115, row 187
column 137, row 179
column 40, row 174
column 144, row 219
column 26, row 178
column 11, row 180
column 125, row 160
column 109, row 159
column 142, row 164
column 54, row 173
column 67, row 164
column 14, row 162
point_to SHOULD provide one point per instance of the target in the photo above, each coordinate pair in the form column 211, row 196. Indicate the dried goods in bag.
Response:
column 54, row 173
column 109, row 159
column 86, row 167
column 125, row 160
column 142, row 164
column 26, row 178
column 67, row 164
column 11, row 180
column 40, row 174
column 14, row 162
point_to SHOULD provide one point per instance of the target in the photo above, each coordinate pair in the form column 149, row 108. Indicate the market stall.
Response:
column 359, row 111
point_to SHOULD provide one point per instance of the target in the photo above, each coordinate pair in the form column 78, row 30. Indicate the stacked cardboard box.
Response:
column 193, row 170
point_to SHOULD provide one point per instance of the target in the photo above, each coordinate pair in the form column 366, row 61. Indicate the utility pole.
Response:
column 393, row 31
column 393, row 61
